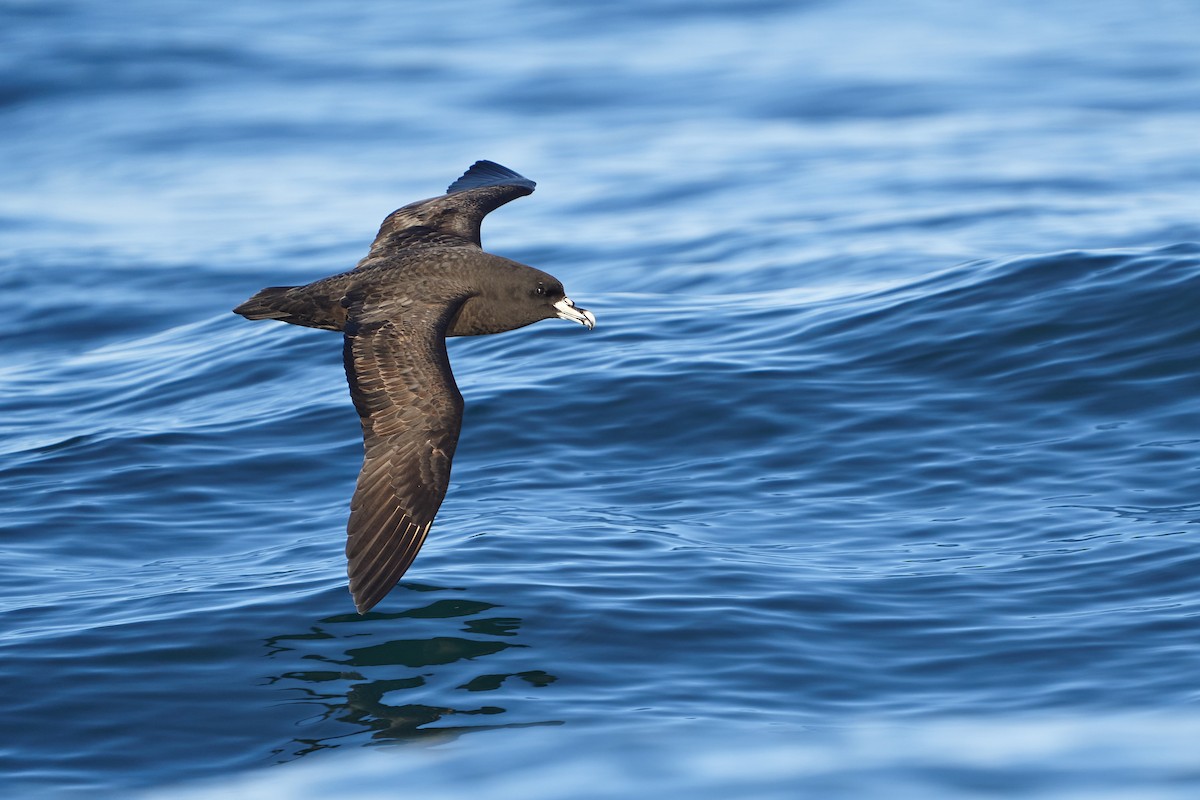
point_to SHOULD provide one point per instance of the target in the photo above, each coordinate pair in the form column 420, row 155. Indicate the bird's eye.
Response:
column 541, row 289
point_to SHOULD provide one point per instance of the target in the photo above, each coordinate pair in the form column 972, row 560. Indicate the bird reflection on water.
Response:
column 359, row 675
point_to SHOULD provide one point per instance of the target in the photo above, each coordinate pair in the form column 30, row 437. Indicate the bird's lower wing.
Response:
column 411, row 413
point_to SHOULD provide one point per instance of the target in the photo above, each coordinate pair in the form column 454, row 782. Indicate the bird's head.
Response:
column 512, row 295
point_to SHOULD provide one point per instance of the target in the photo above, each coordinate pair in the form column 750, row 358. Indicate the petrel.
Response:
column 426, row 277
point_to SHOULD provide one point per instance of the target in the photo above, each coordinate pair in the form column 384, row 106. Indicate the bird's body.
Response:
column 425, row 278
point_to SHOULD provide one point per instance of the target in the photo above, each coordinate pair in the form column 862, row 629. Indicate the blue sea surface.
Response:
column 879, row 475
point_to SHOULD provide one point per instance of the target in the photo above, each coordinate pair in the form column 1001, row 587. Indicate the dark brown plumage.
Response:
column 425, row 278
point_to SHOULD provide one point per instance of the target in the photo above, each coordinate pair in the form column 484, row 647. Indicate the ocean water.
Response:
column 879, row 476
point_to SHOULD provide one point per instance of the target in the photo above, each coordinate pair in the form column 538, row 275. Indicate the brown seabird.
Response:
column 426, row 277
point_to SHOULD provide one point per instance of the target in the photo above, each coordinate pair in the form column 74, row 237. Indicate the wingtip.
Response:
column 489, row 173
column 363, row 604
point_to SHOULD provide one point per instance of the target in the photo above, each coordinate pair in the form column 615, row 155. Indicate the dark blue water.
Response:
column 879, row 476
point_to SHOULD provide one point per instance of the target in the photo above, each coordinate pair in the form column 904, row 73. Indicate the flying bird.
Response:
column 425, row 277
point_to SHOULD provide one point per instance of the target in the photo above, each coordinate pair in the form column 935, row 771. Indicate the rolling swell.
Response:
column 965, row 492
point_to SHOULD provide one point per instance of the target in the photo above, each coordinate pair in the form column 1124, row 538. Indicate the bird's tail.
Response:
column 270, row 303
column 297, row 307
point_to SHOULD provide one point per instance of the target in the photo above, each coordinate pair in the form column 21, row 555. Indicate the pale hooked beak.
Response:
column 565, row 309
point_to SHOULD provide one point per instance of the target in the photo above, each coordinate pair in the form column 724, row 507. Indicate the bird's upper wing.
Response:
column 411, row 412
column 451, row 219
